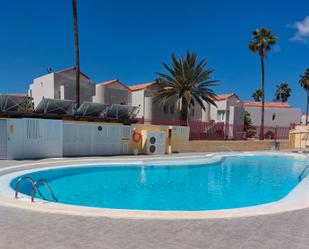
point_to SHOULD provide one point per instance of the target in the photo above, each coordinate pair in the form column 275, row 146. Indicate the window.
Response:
column 172, row 109
column 221, row 115
column 165, row 109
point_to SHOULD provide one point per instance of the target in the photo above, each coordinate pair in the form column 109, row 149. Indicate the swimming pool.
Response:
column 181, row 185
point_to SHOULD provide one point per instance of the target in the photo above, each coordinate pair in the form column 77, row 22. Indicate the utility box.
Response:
column 156, row 141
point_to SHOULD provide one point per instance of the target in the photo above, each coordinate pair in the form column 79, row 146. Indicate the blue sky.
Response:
column 129, row 40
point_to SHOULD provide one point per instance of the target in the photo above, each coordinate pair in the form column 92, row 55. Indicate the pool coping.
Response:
column 297, row 199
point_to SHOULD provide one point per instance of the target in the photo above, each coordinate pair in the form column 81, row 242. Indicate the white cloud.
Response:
column 302, row 30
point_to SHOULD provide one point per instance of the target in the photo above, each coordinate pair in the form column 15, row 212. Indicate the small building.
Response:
column 112, row 92
column 61, row 85
column 276, row 113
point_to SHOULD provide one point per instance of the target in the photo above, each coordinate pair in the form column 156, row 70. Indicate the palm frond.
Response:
column 187, row 80
column 262, row 41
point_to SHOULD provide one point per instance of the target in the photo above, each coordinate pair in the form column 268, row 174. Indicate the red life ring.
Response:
column 136, row 136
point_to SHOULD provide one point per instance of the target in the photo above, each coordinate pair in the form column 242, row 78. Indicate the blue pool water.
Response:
column 231, row 183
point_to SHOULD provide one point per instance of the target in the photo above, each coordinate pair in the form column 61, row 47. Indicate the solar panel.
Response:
column 117, row 111
column 89, row 109
column 55, row 106
column 11, row 103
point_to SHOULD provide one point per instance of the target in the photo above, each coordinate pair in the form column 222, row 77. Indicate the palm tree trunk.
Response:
column 263, row 100
column 76, row 45
column 307, row 108
column 184, row 112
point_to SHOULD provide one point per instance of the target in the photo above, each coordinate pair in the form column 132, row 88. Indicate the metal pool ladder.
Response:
column 34, row 188
column 300, row 177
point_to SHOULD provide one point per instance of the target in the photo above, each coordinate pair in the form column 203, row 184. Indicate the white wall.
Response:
column 138, row 99
column 99, row 94
column 221, row 105
column 284, row 116
column 80, row 139
column 42, row 87
column 61, row 86
column 34, row 138
column 66, row 82
column 3, row 139
column 114, row 93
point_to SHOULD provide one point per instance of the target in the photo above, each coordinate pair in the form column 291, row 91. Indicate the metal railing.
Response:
column 300, row 177
column 34, row 188
column 200, row 130
column 32, row 185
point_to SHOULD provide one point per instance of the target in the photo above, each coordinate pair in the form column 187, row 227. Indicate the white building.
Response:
column 143, row 94
column 61, row 85
column 276, row 113
column 112, row 92
column 229, row 108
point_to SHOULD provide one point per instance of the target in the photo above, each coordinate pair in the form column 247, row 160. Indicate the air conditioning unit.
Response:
column 156, row 142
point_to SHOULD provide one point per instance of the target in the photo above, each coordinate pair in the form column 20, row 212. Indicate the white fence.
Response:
column 29, row 138
column 33, row 138
column 91, row 139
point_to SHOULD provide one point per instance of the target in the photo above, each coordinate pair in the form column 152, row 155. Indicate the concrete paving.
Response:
column 35, row 230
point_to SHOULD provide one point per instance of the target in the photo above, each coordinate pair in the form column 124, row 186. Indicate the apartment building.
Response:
column 276, row 113
column 112, row 92
column 61, row 85
column 229, row 108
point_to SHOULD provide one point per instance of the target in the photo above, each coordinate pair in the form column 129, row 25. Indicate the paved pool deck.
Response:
column 20, row 228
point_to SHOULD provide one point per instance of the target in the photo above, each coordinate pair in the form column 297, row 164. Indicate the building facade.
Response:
column 112, row 92
column 61, row 85
column 229, row 109
column 276, row 113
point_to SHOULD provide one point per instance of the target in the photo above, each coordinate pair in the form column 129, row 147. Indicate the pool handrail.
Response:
column 300, row 177
column 32, row 185
column 35, row 187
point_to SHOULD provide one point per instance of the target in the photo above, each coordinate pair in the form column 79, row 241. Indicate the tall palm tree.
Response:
column 262, row 41
column 257, row 95
column 76, row 45
column 189, row 81
column 283, row 92
column 304, row 83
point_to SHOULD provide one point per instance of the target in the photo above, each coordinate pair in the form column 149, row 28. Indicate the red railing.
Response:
column 220, row 131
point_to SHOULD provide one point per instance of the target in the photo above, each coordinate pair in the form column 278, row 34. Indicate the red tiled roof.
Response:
column 18, row 94
column 106, row 83
column 71, row 69
column 267, row 104
column 141, row 86
column 225, row 96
